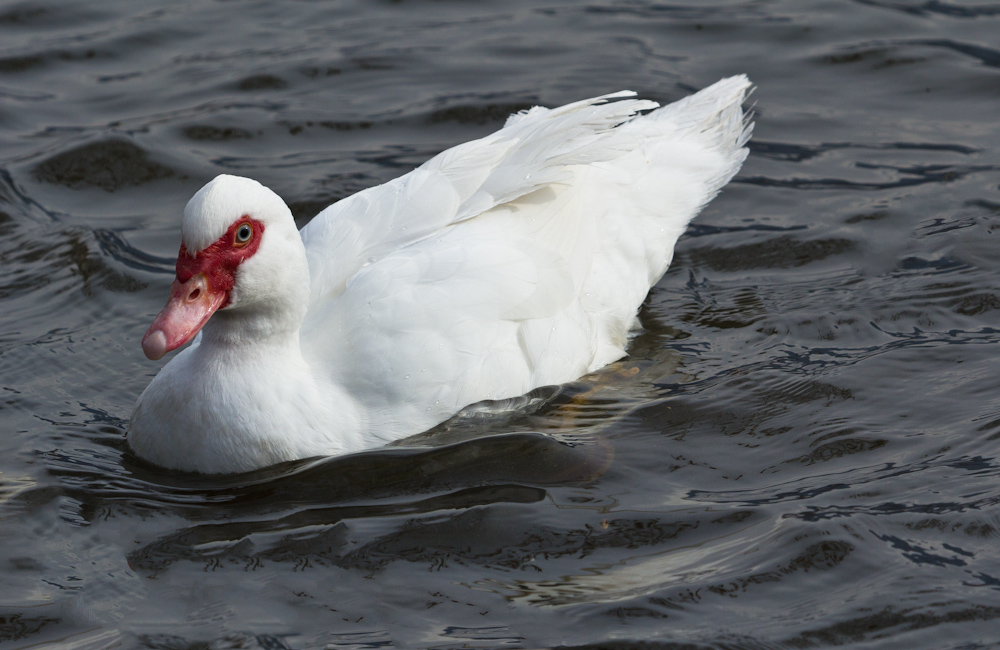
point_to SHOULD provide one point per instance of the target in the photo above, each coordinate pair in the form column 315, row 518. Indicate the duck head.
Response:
column 240, row 255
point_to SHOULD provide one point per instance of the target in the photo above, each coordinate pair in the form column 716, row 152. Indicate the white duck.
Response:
column 500, row 265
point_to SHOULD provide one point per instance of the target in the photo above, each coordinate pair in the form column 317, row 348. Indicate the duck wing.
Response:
column 514, row 261
column 532, row 150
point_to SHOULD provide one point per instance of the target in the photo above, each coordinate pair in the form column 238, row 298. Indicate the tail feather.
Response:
column 714, row 114
column 714, row 117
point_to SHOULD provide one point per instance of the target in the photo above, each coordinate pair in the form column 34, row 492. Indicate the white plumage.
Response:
column 500, row 265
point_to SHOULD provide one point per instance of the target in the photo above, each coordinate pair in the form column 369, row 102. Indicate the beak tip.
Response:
column 154, row 345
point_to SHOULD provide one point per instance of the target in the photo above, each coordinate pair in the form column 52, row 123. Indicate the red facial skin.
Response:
column 204, row 282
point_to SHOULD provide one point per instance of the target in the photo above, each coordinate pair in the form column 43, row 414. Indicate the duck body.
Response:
column 501, row 265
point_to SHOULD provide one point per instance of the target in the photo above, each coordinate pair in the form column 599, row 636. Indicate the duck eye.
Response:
column 244, row 233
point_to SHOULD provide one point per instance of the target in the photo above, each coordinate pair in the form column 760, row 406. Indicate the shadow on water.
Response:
column 295, row 509
column 494, row 453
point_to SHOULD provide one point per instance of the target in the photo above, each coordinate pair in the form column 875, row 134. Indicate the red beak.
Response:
column 190, row 306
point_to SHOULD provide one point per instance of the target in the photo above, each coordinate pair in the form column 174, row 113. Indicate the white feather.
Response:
column 500, row 265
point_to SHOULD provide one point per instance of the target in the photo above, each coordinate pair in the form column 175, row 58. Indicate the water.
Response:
column 801, row 450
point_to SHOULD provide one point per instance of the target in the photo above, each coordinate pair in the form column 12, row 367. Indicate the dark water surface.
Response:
column 801, row 451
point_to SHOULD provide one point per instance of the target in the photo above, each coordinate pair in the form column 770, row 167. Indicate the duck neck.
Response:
column 260, row 325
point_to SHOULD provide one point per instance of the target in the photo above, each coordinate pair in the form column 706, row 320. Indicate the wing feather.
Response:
column 532, row 151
